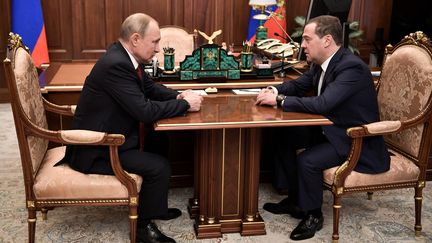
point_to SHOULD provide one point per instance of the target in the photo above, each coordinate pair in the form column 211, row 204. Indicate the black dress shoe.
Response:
column 171, row 214
column 151, row 234
column 307, row 227
column 284, row 207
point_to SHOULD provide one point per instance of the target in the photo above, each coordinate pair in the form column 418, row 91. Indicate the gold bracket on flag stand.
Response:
column 44, row 66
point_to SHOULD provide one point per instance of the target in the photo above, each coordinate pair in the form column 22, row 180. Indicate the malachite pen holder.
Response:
column 246, row 62
column 169, row 62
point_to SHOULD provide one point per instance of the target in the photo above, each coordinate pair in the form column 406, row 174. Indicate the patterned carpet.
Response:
column 389, row 217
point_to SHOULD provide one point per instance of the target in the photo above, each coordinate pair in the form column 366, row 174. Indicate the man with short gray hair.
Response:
column 117, row 96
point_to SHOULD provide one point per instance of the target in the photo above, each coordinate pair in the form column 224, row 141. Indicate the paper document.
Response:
column 198, row 91
column 246, row 91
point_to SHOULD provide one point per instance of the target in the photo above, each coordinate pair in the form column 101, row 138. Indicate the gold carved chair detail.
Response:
column 48, row 186
column 178, row 38
column 404, row 98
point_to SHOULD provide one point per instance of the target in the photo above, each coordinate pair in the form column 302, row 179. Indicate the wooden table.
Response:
column 62, row 84
column 227, row 153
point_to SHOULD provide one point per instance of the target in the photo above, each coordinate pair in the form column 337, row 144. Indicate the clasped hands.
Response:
column 192, row 98
column 266, row 97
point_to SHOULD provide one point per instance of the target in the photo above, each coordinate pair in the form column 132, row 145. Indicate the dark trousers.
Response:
column 302, row 173
column 152, row 165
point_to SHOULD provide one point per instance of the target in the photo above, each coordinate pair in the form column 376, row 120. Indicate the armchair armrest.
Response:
column 374, row 129
column 67, row 110
column 83, row 137
column 383, row 127
column 357, row 134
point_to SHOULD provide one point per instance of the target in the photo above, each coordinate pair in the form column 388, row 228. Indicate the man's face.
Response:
column 148, row 46
column 313, row 45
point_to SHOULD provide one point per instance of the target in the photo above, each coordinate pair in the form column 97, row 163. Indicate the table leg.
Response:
column 228, row 176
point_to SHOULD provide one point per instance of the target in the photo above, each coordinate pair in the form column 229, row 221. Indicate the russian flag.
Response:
column 28, row 22
column 270, row 23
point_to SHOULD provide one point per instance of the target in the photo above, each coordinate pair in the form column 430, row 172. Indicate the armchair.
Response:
column 404, row 98
column 48, row 186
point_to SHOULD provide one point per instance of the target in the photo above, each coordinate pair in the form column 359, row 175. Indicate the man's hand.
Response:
column 182, row 94
column 266, row 97
column 266, row 90
column 193, row 99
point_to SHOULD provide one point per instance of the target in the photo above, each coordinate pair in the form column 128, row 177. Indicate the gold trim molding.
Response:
column 59, row 202
column 321, row 120
column 30, row 204
column 133, row 200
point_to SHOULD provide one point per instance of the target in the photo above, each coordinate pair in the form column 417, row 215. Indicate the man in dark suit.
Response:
column 117, row 96
column 345, row 94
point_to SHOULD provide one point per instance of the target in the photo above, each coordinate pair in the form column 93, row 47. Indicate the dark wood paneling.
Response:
column 163, row 13
column 58, row 26
column 89, row 28
column 114, row 18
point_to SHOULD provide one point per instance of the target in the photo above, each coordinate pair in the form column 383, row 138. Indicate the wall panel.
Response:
column 89, row 28
column 58, row 26
column 113, row 18
column 162, row 13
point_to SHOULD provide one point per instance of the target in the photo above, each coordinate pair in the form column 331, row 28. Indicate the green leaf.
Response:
column 355, row 34
column 297, row 33
column 355, row 25
column 300, row 20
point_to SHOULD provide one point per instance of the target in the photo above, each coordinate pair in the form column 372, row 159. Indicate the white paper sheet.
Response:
column 246, row 91
column 198, row 91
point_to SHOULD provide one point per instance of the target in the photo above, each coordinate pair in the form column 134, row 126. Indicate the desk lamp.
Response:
column 261, row 31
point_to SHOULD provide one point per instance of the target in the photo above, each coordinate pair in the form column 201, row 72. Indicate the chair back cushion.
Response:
column 177, row 38
column 405, row 91
column 30, row 98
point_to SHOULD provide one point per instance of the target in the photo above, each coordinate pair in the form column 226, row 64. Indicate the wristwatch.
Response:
column 279, row 99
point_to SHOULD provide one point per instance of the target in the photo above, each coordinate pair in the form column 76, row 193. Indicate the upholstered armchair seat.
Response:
column 62, row 182
column 401, row 170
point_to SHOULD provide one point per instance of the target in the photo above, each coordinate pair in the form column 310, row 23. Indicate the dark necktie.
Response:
column 139, row 72
column 141, row 124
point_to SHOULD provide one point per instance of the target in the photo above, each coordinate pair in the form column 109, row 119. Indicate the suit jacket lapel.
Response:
column 316, row 75
column 335, row 59
column 126, row 57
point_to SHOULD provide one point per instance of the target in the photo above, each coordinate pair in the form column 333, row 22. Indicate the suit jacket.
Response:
column 348, row 99
column 114, row 100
